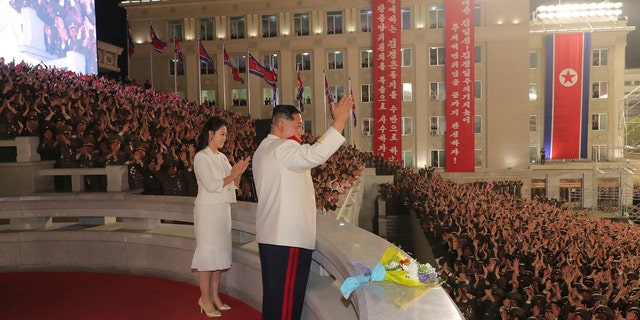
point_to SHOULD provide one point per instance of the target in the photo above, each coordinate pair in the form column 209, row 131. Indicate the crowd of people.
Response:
column 504, row 257
column 93, row 121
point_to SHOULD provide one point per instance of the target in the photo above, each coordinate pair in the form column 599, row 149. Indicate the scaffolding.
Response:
column 616, row 169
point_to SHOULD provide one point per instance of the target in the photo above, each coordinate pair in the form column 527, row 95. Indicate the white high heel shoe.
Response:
column 213, row 314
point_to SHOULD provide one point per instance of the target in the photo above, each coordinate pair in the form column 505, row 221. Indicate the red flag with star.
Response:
column 567, row 96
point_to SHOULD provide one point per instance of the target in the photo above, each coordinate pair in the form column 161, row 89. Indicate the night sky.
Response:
column 112, row 26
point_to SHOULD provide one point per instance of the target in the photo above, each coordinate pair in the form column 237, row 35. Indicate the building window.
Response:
column 533, row 154
column 206, row 29
column 477, row 158
column 334, row 22
column 406, row 57
column 173, row 64
column 175, row 29
column 533, row 123
column 437, row 91
column 477, row 16
column 270, row 60
column 600, row 90
column 533, row 91
column 477, row 54
column 600, row 57
column 438, row 125
column 407, row 92
column 406, row 18
column 436, row 56
column 240, row 62
column 365, row 20
column 366, row 126
column 267, row 94
column 436, row 17
column 236, row 26
column 477, row 90
column 303, row 60
column 239, row 97
column 600, row 152
column 337, row 92
column 367, row 93
column 477, row 124
column 407, row 126
column 533, row 60
column 599, row 121
column 366, row 58
column 306, row 94
column 437, row 158
column 336, row 60
column 269, row 26
column 301, row 24
column 407, row 158
column 209, row 98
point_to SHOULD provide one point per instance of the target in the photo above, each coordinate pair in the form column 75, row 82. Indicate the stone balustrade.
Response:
column 47, row 233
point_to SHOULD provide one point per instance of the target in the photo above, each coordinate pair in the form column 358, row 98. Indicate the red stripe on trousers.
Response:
column 290, row 284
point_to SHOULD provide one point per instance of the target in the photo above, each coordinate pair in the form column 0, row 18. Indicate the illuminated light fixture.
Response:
column 578, row 12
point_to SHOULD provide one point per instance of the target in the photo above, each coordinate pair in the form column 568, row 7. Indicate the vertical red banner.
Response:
column 387, row 84
column 567, row 95
column 459, row 77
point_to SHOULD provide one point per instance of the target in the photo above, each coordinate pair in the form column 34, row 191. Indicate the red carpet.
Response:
column 68, row 296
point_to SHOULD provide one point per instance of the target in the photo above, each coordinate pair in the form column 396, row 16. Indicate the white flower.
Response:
column 393, row 265
column 412, row 269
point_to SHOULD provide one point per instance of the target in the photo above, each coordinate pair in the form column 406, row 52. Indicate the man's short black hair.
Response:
column 284, row 111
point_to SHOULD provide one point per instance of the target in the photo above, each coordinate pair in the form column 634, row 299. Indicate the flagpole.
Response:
column 324, row 81
column 351, row 114
column 128, row 49
column 248, row 83
column 199, row 71
column 274, row 89
column 151, row 55
column 175, row 63
column 224, row 80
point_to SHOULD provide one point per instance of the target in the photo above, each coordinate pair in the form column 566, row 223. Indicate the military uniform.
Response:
column 173, row 184
column 120, row 157
column 136, row 177
column 151, row 185
column 86, row 158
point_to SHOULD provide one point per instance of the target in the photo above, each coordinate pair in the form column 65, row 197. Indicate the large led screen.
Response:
column 57, row 33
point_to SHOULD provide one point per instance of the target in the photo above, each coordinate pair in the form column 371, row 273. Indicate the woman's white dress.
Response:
column 212, row 212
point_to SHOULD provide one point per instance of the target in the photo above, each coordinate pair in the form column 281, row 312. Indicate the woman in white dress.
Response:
column 217, row 181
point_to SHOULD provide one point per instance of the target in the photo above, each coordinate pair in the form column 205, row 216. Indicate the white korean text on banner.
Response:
column 459, row 77
column 387, row 86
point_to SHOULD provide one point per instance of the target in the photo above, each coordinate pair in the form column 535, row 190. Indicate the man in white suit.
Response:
column 286, row 213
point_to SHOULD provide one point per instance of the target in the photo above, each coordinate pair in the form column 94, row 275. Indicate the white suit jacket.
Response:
column 286, row 213
column 210, row 170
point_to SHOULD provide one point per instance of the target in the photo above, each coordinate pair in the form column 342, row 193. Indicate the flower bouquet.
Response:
column 395, row 266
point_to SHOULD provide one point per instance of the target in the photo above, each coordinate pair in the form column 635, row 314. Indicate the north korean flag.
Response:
column 567, row 95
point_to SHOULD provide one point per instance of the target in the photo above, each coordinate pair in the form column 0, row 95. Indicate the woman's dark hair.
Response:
column 213, row 124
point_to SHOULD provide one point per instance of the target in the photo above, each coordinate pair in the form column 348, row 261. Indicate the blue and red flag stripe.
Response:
column 567, row 95
column 204, row 56
column 157, row 44
column 261, row 71
column 177, row 49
